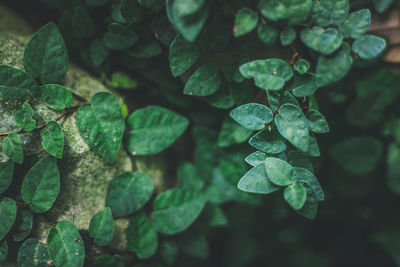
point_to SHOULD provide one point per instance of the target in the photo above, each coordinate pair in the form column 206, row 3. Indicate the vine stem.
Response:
column 42, row 126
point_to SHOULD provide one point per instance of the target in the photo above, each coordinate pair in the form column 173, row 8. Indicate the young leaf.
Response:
column 176, row 209
column 232, row 133
column 295, row 194
column 293, row 125
column 268, row 141
column 23, row 117
column 65, row 245
column 268, row 74
column 16, row 85
column 128, row 192
column 332, row 12
column 119, row 37
column 153, row 129
column 356, row 24
column 256, row 181
column 101, row 227
column 3, row 250
column 82, row 23
column 6, row 175
column 101, row 125
column 253, row 116
column 279, row 171
column 316, row 121
column 8, row 214
column 204, row 81
column 288, row 35
column 142, row 237
column 302, row 66
column 46, row 56
column 182, row 55
column 53, row 139
column 245, row 21
column 12, row 148
column 32, row 253
column 369, row 46
column 23, row 225
column 41, row 185
column 56, row 96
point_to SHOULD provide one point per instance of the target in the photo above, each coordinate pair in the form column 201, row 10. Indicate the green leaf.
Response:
column 268, row 74
column 294, row 11
column 213, row 215
column 33, row 253
column 119, row 37
column 195, row 244
column 155, row 5
column 53, row 139
column 82, row 23
column 145, row 49
column 268, row 141
column 316, row 121
column 128, row 192
column 245, row 21
column 276, row 99
column 3, row 250
column 12, row 148
column 393, row 168
column 306, row 177
column 41, row 185
column 176, row 209
column 369, row 46
column 256, row 181
column 23, row 225
column 252, row 116
column 45, row 55
column 182, row 55
column 187, row 7
column 96, row 2
column 311, row 37
column 163, row 30
column 232, row 133
column 153, row 129
column 8, row 214
column 23, row 117
column 288, row 35
column 256, row 158
column 56, row 96
column 122, row 80
column 357, row 155
column 107, row 260
column 381, row 5
column 299, row 159
column 142, row 237
column 6, row 175
column 304, row 86
column 204, row 81
column 169, row 252
column 293, row 125
column 220, row 100
column 131, row 11
column 16, row 85
column 101, row 125
column 65, row 245
column 342, row 61
column 330, row 41
column 268, row 34
column 189, row 177
column 310, row 207
column 295, row 194
column 98, row 51
column 101, row 227
column 356, row 24
column 302, row 66
column 332, row 12
column 189, row 26
column 278, row 171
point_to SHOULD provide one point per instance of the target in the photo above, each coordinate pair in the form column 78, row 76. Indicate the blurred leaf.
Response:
column 369, row 46
column 232, row 133
column 119, row 37
column 82, row 23
column 356, row 24
column 121, row 80
column 288, row 35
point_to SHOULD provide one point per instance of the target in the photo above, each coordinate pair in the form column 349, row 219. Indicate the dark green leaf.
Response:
column 304, row 86
column 187, row 7
column 182, row 55
column 169, row 252
column 256, row 181
column 294, row 11
column 232, row 133
column 45, row 55
column 288, row 35
column 101, row 125
column 3, row 250
column 304, row 176
column 23, row 225
column 369, row 46
column 188, row 177
column 128, row 192
column 245, row 21
column 176, row 209
column 153, row 129
column 12, row 147
column 356, row 24
column 299, row 159
column 16, row 85
column 332, row 12
column 310, row 207
column 295, row 194
column 107, row 260
column 96, row 2
column 6, row 175
column 204, row 81
column 131, row 11
column 316, row 121
column 23, row 117
column 311, row 37
column 163, row 30
column 119, row 37
column 33, row 253
column 82, row 23
column 147, row 49
column 302, row 66
column 253, row 116
column 268, row 141
column 41, row 185
column 101, row 227
column 279, row 171
column 65, row 245
column 8, row 214
column 56, row 96
column 142, row 237
column 53, row 139
column 330, row 41
column 98, row 51
column 152, row 4
column 268, row 34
